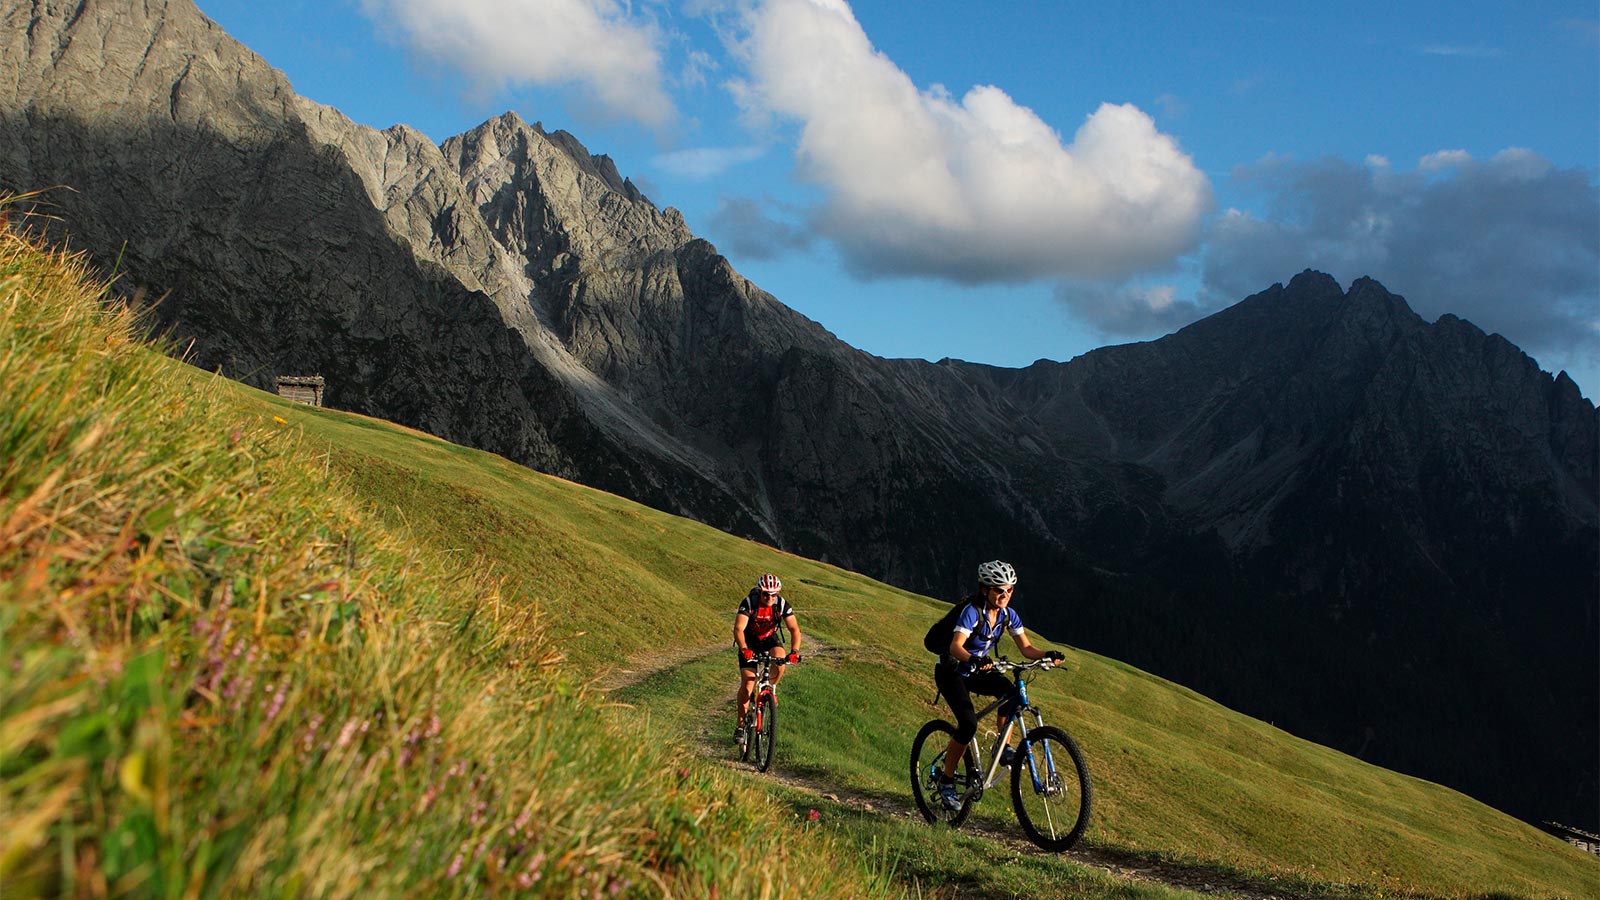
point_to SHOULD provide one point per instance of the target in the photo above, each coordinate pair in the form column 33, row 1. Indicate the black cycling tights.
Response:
column 958, row 693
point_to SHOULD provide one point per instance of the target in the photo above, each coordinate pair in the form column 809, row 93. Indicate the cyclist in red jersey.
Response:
column 755, row 631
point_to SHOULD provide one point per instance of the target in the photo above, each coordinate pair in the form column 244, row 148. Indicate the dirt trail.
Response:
column 616, row 678
column 1124, row 866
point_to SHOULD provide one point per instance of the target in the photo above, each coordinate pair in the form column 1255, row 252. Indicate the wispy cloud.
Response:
column 1474, row 50
column 973, row 189
column 1248, row 84
column 706, row 162
column 1129, row 310
column 1586, row 30
column 1171, row 106
column 595, row 46
column 749, row 229
column 695, row 68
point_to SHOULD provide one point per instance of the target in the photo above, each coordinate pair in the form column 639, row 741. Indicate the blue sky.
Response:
column 1003, row 182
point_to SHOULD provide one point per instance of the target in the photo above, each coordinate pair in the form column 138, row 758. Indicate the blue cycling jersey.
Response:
column 981, row 636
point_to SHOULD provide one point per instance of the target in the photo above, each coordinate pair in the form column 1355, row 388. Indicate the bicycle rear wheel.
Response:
column 927, row 761
column 1050, row 789
column 766, row 732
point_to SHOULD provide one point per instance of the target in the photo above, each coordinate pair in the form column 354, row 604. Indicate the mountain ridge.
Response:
column 1304, row 460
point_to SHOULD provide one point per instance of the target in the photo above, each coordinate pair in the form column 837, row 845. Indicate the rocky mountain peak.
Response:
column 1311, row 285
column 547, row 199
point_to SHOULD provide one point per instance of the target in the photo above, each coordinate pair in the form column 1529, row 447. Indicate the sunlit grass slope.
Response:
column 221, row 675
column 253, row 648
column 1177, row 775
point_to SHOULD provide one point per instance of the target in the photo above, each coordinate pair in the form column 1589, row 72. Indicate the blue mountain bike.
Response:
column 1050, row 788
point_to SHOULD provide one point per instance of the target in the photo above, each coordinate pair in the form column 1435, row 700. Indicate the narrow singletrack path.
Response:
column 1118, row 864
column 615, row 678
column 716, row 745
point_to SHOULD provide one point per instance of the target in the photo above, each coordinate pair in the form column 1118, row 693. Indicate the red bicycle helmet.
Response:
column 769, row 584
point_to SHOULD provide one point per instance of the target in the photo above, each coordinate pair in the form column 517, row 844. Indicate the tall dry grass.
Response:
column 221, row 676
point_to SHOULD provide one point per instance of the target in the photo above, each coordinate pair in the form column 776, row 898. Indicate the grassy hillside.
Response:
column 252, row 648
column 224, row 676
column 1176, row 775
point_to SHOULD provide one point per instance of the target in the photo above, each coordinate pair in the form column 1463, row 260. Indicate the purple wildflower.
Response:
column 277, row 701
column 308, row 739
column 346, row 733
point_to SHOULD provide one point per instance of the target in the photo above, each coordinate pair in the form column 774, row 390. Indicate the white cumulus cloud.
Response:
column 974, row 189
column 593, row 45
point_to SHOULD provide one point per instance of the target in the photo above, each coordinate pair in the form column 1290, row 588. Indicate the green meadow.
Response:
column 251, row 648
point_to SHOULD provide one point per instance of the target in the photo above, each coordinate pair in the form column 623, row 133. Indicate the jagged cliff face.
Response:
column 1376, row 531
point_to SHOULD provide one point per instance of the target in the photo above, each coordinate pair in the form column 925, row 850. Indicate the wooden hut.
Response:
column 1586, row 841
column 305, row 389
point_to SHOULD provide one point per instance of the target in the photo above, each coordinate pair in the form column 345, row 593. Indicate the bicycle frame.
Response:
column 1018, row 696
column 763, row 686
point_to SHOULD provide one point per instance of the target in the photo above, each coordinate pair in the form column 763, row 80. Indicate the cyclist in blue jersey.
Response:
column 755, row 632
column 964, row 668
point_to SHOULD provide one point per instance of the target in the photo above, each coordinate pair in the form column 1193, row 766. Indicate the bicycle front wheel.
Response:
column 1050, row 789
column 927, row 762
column 766, row 733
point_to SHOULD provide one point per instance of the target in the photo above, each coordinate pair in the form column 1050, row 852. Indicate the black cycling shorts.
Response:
column 760, row 648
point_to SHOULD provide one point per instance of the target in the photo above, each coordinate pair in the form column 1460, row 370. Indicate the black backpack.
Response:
column 937, row 640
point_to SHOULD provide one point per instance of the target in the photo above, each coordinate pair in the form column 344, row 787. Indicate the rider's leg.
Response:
column 954, row 688
column 952, row 755
column 988, row 684
column 747, row 683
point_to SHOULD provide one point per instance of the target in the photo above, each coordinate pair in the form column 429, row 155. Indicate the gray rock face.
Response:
column 1311, row 488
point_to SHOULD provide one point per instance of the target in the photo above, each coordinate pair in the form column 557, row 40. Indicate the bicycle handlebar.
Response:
column 1001, row 664
column 783, row 659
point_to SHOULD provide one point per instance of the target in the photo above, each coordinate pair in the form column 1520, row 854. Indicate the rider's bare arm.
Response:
column 794, row 633
column 739, row 623
column 1027, row 647
column 1032, row 652
column 956, row 651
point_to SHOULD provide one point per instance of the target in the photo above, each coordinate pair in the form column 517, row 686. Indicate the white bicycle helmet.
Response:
column 996, row 574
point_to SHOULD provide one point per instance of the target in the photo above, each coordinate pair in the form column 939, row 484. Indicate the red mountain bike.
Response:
column 761, row 722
